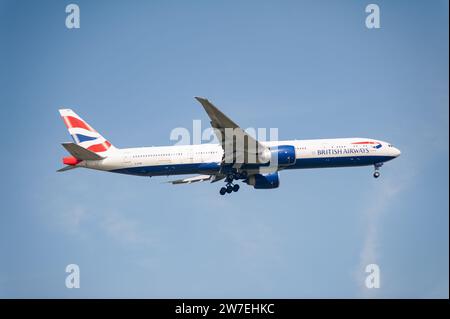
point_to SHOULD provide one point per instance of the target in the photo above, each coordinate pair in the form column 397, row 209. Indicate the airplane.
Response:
column 238, row 156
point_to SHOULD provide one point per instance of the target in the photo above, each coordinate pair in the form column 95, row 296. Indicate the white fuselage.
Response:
column 206, row 158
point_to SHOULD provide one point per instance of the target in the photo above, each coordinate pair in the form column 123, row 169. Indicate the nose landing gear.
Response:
column 377, row 166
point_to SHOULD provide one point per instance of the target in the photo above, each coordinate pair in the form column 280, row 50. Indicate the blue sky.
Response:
column 309, row 68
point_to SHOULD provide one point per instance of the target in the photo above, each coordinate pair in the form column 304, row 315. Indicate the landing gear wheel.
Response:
column 376, row 174
column 229, row 189
column 235, row 188
column 223, row 190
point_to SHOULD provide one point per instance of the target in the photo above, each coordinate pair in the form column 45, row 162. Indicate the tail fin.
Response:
column 83, row 134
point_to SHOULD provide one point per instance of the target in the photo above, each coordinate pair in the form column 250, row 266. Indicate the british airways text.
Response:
column 343, row 151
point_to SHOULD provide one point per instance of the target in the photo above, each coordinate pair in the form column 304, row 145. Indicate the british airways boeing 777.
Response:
column 238, row 156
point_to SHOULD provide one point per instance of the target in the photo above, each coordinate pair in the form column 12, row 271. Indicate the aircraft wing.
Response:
column 189, row 180
column 198, row 178
column 236, row 153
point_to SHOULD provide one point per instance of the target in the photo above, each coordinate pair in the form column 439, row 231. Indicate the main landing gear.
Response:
column 377, row 166
column 229, row 187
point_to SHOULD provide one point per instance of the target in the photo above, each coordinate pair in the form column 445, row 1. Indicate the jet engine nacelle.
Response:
column 281, row 155
column 264, row 181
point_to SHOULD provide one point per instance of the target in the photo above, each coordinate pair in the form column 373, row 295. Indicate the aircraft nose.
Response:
column 396, row 152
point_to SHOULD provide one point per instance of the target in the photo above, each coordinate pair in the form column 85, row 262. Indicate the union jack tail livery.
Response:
column 84, row 135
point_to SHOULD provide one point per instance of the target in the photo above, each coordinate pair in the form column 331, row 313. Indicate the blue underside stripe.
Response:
column 211, row 168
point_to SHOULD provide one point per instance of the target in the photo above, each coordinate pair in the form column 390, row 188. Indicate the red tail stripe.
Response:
column 99, row 147
column 73, row 122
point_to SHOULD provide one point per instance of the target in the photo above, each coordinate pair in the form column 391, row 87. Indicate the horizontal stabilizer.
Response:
column 66, row 168
column 199, row 178
column 80, row 152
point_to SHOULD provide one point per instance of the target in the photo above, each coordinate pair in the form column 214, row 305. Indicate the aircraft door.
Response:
column 190, row 155
column 126, row 159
